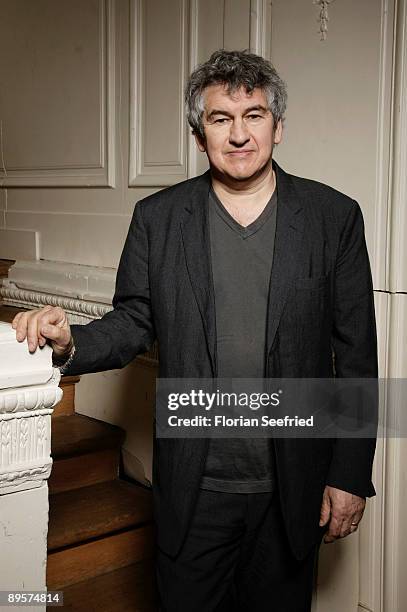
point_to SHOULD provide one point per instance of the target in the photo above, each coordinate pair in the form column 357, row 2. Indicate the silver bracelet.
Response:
column 63, row 367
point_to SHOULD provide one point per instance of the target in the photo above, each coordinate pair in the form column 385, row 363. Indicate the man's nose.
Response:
column 239, row 133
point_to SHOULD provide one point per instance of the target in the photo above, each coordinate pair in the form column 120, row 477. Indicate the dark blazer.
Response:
column 320, row 303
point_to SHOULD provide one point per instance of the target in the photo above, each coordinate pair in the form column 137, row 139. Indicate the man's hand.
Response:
column 38, row 326
column 343, row 511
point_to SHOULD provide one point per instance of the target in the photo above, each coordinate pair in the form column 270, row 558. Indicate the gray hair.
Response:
column 234, row 69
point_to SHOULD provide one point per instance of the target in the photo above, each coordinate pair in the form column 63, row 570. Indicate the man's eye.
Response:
column 254, row 117
column 221, row 120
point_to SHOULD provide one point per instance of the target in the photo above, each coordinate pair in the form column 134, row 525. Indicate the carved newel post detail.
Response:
column 28, row 392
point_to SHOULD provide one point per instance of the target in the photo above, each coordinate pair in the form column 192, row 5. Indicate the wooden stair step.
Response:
column 78, row 434
column 128, row 589
column 91, row 512
column 78, row 441
column 68, row 474
column 99, row 556
column 66, row 406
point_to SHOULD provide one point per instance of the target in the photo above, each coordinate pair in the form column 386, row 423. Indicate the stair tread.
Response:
column 77, row 434
column 101, row 509
column 128, row 589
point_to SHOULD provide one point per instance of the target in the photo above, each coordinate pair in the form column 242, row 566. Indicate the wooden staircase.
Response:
column 100, row 536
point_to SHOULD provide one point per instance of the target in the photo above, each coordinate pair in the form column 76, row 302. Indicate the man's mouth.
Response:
column 240, row 152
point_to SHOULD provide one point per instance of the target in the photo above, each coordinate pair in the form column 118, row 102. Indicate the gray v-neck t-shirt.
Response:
column 242, row 258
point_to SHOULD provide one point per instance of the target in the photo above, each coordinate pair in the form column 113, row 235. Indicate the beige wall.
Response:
column 338, row 120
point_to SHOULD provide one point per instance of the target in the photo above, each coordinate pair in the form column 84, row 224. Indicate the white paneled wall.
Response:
column 57, row 104
column 93, row 98
column 159, row 64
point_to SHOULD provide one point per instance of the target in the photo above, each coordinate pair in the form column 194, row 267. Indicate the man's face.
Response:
column 239, row 133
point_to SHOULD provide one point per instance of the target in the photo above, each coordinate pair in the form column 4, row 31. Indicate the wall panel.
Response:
column 210, row 15
column 159, row 65
column 236, row 24
column 57, row 109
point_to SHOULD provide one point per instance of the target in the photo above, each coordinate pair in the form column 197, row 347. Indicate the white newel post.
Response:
column 28, row 392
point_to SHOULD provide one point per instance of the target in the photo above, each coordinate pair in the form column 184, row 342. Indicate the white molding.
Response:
column 25, row 446
column 29, row 399
column 372, row 530
column 260, row 27
column 395, row 489
column 398, row 222
column 391, row 526
column 62, row 278
column 193, row 62
column 24, row 479
column 77, row 174
column 84, row 292
column 382, row 208
column 141, row 171
column 25, row 414
column 323, row 17
column 79, row 311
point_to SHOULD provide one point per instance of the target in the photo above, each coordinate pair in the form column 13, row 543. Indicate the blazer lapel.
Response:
column 287, row 254
column 287, row 250
column 196, row 243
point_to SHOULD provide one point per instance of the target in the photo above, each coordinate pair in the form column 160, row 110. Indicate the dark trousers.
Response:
column 236, row 558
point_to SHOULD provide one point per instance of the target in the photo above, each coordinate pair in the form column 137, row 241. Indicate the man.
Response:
column 245, row 271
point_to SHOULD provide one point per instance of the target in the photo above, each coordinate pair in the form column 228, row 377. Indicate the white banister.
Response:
column 28, row 392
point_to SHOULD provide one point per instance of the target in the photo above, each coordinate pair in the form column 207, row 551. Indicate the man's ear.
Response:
column 278, row 132
column 200, row 142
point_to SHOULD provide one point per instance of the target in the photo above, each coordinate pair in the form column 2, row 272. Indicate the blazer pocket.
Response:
column 311, row 283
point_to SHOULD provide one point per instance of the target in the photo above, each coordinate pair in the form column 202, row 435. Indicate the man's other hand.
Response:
column 342, row 510
column 38, row 326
